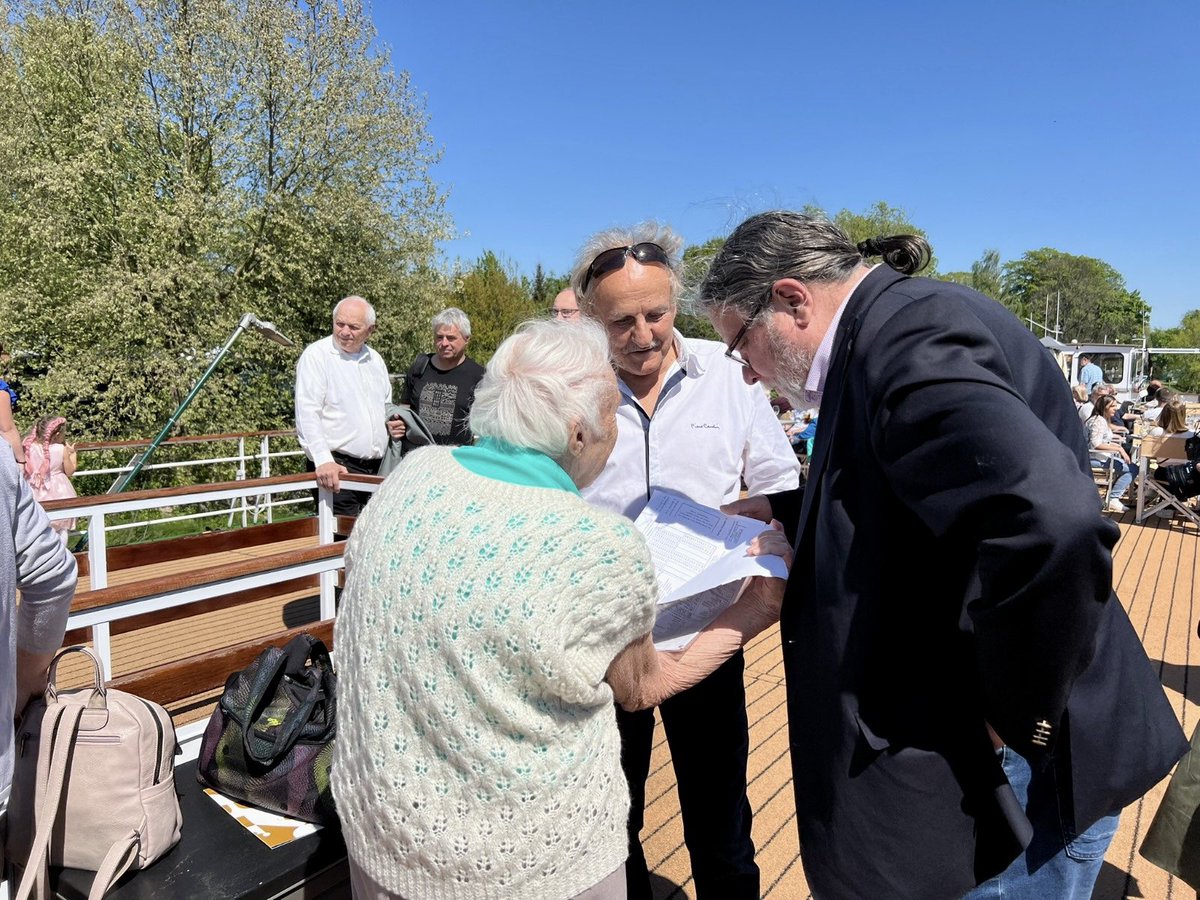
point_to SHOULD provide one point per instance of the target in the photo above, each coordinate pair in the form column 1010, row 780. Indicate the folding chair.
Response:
column 1103, row 475
column 1152, row 496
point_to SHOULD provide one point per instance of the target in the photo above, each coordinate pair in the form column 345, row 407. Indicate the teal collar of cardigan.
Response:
column 502, row 461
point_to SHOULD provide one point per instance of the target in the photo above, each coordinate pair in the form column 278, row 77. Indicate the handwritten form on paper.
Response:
column 700, row 557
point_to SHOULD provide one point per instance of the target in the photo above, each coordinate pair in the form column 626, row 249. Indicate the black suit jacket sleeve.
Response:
column 964, row 453
column 785, row 506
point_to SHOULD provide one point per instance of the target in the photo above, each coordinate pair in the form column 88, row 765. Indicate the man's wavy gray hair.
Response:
column 539, row 381
column 452, row 317
column 643, row 232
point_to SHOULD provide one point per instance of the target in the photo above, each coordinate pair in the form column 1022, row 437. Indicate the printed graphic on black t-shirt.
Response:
column 443, row 399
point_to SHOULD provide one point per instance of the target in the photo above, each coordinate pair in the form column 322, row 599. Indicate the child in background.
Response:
column 49, row 465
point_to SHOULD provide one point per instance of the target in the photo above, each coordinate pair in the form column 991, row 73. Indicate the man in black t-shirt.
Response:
column 440, row 386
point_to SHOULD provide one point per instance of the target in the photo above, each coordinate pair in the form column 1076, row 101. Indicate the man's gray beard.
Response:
column 792, row 365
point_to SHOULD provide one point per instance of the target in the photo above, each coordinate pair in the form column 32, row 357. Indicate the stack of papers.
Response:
column 700, row 557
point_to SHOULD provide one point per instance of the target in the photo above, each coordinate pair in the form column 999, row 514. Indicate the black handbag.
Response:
column 269, row 742
column 1183, row 479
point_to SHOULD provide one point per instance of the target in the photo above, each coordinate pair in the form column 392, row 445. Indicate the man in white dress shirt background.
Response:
column 342, row 386
column 689, row 424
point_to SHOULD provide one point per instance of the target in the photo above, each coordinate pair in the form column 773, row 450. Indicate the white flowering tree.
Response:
column 171, row 164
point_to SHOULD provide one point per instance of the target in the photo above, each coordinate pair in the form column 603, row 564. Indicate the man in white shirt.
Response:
column 687, row 423
column 342, row 386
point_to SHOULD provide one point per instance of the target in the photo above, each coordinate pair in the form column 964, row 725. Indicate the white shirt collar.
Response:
column 335, row 350
column 692, row 363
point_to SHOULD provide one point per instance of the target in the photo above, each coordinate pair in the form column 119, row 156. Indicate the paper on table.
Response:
column 699, row 555
column 273, row 829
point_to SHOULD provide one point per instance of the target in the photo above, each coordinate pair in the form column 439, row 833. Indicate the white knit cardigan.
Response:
column 477, row 753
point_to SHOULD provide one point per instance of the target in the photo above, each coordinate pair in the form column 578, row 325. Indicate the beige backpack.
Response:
column 93, row 784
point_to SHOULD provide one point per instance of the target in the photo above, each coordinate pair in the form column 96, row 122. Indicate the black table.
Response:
column 218, row 858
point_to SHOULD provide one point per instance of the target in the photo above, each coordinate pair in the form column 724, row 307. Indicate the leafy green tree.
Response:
column 537, row 290
column 496, row 300
column 545, row 287
column 696, row 259
column 1088, row 296
column 555, row 284
column 170, row 166
column 1181, row 372
column 986, row 275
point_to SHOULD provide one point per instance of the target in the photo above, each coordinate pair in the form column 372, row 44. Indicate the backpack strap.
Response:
column 117, row 861
column 415, row 371
column 60, row 725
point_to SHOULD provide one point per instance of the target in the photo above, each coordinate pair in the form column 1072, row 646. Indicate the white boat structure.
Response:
column 1125, row 366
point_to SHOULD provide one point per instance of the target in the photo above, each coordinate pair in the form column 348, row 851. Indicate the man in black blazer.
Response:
column 964, row 689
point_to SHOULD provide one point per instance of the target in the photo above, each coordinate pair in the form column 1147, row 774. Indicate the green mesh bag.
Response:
column 269, row 742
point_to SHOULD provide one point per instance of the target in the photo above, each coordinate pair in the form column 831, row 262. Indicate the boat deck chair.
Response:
column 1151, row 495
column 1103, row 475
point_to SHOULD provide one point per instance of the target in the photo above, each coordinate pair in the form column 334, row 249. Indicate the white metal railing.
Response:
column 97, row 510
column 254, row 451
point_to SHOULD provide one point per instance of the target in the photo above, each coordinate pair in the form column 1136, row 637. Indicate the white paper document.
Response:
column 700, row 557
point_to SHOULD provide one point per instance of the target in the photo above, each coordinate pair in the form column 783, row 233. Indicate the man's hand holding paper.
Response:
column 772, row 542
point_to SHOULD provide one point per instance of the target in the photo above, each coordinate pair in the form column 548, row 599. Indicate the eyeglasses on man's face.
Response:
column 614, row 259
column 731, row 349
column 556, row 313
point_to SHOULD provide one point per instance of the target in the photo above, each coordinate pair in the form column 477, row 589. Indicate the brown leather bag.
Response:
column 93, row 784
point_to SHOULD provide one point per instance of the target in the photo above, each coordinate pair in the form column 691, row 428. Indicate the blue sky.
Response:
column 1013, row 126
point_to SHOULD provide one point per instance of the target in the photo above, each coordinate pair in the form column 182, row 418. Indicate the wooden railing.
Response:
column 251, row 453
column 106, row 608
column 166, row 683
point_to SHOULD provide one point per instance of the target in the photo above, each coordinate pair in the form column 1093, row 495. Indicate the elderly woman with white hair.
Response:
column 490, row 617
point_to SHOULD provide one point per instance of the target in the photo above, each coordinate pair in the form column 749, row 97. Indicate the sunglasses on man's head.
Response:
column 611, row 260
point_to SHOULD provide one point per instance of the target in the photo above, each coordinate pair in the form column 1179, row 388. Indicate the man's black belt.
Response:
column 343, row 458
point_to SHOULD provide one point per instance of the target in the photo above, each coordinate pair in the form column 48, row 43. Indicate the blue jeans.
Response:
column 1057, row 863
column 1124, row 473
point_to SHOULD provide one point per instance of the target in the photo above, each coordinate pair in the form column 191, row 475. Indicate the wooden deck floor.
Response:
column 1157, row 573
